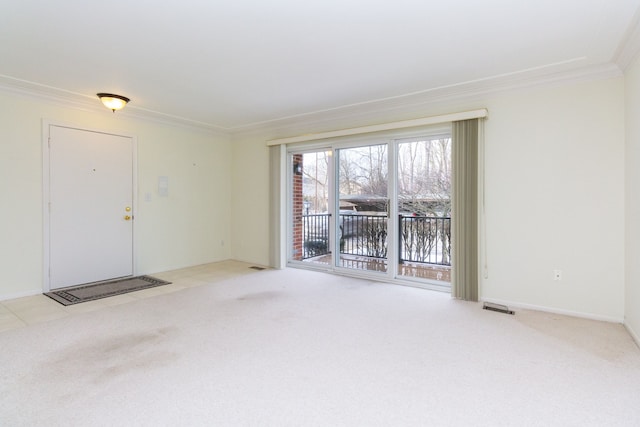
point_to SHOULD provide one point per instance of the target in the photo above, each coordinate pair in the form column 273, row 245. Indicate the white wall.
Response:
column 251, row 221
column 554, row 199
column 555, row 187
column 183, row 229
column 632, row 279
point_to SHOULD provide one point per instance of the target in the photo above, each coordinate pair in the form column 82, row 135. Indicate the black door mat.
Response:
column 94, row 291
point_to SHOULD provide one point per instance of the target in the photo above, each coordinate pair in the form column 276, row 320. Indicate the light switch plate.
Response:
column 163, row 186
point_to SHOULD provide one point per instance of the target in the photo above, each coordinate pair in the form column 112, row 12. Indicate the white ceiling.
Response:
column 231, row 65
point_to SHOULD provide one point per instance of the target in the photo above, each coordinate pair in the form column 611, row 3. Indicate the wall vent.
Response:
column 497, row 307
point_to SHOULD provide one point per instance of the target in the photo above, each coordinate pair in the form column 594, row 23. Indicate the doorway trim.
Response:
column 46, row 196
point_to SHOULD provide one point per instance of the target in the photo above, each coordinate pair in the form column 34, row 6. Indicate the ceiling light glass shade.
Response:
column 113, row 102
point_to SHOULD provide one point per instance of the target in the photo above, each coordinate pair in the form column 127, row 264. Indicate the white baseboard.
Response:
column 591, row 316
column 4, row 297
column 633, row 334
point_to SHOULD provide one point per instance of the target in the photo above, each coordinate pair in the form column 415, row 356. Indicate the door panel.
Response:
column 91, row 196
column 363, row 206
column 424, row 208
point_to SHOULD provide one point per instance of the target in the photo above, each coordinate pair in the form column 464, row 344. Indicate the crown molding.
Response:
column 367, row 113
column 78, row 101
column 629, row 47
column 51, row 95
column 415, row 105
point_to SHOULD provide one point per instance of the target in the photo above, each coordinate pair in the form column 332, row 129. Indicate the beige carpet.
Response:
column 298, row 348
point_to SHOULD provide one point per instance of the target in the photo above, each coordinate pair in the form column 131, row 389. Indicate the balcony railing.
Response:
column 425, row 239
column 363, row 235
column 315, row 235
column 422, row 239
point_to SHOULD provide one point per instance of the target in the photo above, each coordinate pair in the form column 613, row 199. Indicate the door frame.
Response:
column 46, row 195
column 389, row 274
column 391, row 138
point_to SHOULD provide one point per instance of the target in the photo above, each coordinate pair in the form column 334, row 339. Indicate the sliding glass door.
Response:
column 424, row 208
column 363, row 204
column 381, row 208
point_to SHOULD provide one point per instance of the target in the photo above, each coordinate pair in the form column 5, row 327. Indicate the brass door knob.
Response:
column 127, row 217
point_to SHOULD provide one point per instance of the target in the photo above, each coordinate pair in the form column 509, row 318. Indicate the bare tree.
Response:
column 316, row 180
column 363, row 171
column 424, row 169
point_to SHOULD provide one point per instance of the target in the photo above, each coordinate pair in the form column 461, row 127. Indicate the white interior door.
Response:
column 91, row 206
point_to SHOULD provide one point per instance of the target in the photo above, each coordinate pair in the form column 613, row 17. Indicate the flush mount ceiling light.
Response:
column 113, row 102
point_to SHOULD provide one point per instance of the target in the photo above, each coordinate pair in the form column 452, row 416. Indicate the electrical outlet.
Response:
column 557, row 274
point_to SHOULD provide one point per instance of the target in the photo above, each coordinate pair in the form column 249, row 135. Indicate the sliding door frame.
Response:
column 391, row 138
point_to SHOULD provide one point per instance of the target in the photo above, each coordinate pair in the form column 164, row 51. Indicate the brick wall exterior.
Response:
column 298, row 209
